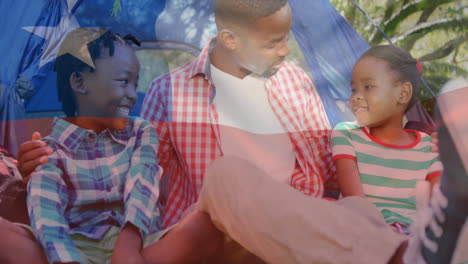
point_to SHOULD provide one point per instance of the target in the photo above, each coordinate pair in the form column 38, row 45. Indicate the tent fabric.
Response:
column 193, row 20
column 331, row 47
column 419, row 119
column 21, row 53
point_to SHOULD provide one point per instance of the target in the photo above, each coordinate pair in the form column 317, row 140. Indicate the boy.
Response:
column 95, row 200
column 100, row 185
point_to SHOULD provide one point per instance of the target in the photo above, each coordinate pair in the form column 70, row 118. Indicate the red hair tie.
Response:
column 419, row 66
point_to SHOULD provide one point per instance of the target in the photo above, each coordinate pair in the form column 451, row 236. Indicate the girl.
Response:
column 376, row 157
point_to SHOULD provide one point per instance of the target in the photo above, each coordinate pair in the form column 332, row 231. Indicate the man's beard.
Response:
column 270, row 72
column 273, row 69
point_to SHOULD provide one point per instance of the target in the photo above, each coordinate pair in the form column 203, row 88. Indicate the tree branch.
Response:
column 455, row 24
column 455, row 54
column 445, row 50
column 409, row 44
column 389, row 8
column 390, row 25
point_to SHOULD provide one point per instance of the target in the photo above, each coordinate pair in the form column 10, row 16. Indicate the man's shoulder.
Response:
column 292, row 66
column 289, row 68
column 292, row 73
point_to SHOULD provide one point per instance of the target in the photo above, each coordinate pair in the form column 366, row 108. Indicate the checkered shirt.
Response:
column 180, row 105
column 93, row 182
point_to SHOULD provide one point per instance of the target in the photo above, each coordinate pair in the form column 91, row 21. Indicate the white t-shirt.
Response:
column 248, row 126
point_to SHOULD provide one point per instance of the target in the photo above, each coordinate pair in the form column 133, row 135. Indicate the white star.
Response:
column 76, row 43
column 54, row 36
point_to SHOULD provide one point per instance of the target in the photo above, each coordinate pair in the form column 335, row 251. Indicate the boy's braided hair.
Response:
column 67, row 64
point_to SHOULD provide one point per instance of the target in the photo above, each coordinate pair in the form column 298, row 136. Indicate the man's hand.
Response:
column 435, row 142
column 128, row 247
column 32, row 154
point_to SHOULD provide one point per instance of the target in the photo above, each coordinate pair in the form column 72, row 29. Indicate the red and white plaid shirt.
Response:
column 180, row 105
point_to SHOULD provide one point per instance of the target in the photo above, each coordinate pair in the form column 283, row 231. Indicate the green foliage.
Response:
column 390, row 25
column 116, row 8
column 436, row 74
column 434, row 30
column 154, row 63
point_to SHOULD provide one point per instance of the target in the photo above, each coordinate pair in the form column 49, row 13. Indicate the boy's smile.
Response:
column 123, row 111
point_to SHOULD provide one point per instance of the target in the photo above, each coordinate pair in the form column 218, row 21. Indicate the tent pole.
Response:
column 77, row 3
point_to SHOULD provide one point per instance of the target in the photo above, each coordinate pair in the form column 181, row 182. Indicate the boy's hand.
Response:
column 434, row 142
column 32, row 154
column 128, row 247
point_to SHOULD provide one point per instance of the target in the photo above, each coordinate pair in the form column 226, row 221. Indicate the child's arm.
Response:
column 344, row 157
column 434, row 171
column 348, row 177
column 47, row 200
column 142, row 182
column 434, row 180
column 140, row 197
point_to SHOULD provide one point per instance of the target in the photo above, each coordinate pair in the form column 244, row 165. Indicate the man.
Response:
column 235, row 99
column 196, row 126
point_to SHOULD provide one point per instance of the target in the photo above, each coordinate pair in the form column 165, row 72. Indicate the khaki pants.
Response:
column 281, row 225
column 100, row 251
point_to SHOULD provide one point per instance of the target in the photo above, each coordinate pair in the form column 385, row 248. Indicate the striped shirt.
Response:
column 93, row 182
column 180, row 105
column 388, row 173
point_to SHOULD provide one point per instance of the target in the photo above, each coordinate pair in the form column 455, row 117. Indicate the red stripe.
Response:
column 344, row 156
column 416, row 141
column 432, row 175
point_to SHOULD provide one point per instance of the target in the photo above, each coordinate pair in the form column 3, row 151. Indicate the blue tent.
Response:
column 33, row 31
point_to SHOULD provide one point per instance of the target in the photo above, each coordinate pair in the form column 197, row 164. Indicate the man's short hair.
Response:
column 244, row 12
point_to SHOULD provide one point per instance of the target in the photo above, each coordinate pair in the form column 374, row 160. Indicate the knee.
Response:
column 202, row 228
column 9, row 237
column 7, row 230
column 13, row 230
column 365, row 208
